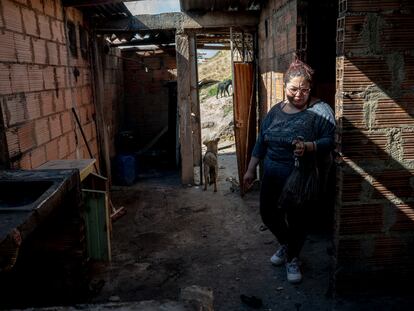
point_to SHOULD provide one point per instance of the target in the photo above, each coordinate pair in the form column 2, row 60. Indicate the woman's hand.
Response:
column 303, row 146
column 248, row 179
column 300, row 147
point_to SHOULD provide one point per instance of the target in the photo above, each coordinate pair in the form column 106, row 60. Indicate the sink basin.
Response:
column 18, row 195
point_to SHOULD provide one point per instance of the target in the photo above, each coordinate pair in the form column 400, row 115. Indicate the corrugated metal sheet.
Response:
column 107, row 11
column 218, row 5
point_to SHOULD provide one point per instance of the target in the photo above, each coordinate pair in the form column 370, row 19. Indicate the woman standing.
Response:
column 299, row 115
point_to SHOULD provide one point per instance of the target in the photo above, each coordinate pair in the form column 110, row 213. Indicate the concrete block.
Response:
column 26, row 136
column 57, row 34
column 59, row 100
column 14, row 107
column 5, row 82
column 78, row 96
column 38, row 157
column 33, row 106
column 60, row 77
column 49, row 77
column 88, row 130
column 52, row 150
column 23, row 163
column 35, row 78
column 49, row 7
column 68, row 98
column 66, row 121
column 19, row 78
column 7, row 47
column 12, row 16
column 39, row 51
column 12, row 140
column 83, row 114
column 23, row 48
column 361, row 219
column 42, row 131
column 72, row 141
column 63, row 147
column 59, row 10
column 45, row 31
column 63, row 54
column 37, row 5
column 30, row 22
column 72, row 156
column 47, row 103
column 52, row 52
column 403, row 217
column 55, row 126
column 87, row 96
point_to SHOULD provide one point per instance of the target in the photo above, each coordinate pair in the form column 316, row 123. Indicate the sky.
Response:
column 157, row 7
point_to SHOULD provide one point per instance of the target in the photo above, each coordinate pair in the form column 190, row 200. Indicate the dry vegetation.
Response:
column 216, row 114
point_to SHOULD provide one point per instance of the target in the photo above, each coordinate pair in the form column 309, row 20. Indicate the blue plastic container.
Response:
column 124, row 169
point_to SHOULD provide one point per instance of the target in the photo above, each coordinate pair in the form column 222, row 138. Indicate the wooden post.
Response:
column 195, row 103
column 184, row 107
column 98, row 90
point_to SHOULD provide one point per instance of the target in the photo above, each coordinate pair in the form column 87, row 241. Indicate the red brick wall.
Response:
column 374, row 108
column 38, row 87
column 146, row 93
column 277, row 45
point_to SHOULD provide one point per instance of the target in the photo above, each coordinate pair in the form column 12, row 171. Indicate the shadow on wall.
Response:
column 376, row 185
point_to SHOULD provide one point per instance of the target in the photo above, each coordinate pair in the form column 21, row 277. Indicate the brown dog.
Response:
column 210, row 163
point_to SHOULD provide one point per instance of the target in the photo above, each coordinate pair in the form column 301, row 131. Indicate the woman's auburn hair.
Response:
column 298, row 68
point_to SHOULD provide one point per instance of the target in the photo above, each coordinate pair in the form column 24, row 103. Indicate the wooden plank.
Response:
column 184, row 108
column 97, row 222
column 244, row 115
column 85, row 166
column 180, row 21
column 99, row 91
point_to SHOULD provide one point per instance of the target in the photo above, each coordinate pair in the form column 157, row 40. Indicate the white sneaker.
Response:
column 294, row 275
column 279, row 257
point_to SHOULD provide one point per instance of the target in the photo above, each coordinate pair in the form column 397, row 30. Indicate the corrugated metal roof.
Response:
column 100, row 9
column 219, row 5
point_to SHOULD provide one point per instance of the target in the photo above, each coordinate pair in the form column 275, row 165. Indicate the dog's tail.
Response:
column 213, row 175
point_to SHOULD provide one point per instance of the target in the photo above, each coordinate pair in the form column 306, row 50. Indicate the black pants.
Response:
column 288, row 226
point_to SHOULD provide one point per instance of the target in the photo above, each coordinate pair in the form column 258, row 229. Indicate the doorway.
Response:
column 317, row 46
column 215, row 89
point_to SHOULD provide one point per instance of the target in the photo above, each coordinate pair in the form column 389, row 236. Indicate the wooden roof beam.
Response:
column 180, row 21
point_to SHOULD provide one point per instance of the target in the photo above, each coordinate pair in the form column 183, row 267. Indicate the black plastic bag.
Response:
column 302, row 185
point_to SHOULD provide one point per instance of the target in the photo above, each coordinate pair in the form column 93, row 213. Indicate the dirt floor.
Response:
column 175, row 236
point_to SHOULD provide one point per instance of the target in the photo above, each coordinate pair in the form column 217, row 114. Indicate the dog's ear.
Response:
column 205, row 143
column 217, row 139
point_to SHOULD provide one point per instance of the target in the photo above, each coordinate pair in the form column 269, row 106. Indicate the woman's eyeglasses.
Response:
column 295, row 90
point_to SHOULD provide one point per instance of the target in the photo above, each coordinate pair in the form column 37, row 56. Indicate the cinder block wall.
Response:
column 38, row 86
column 277, row 45
column 374, row 108
column 146, row 93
